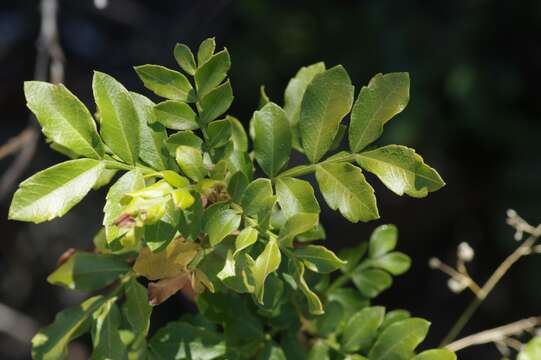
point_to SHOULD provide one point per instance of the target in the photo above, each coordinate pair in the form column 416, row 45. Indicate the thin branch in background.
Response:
column 460, row 279
column 49, row 65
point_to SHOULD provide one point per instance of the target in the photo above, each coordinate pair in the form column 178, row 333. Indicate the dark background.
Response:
column 474, row 115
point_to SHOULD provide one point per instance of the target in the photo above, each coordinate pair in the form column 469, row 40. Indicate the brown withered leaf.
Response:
column 168, row 263
column 200, row 281
column 162, row 290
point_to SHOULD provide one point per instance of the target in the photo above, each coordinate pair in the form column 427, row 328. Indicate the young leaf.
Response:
column 295, row 196
column 272, row 143
column 176, row 115
column 216, row 102
column 382, row 240
column 344, row 187
column 399, row 340
column 395, row 263
column 257, row 197
column 190, row 161
column 187, row 138
column 119, row 121
column 136, row 308
column 158, row 234
column 371, row 282
column 296, row 225
column 206, row 50
column 220, row 224
column 212, row 73
column 444, row 354
column 319, row 259
column 327, row 100
column 166, row 83
column 51, row 342
column 63, row 118
column 185, row 59
column 384, row 97
column 152, row 135
column 106, row 340
column 393, row 316
column 87, row 271
column 361, row 330
column 401, row 170
column 267, row 262
column 182, row 341
column 219, row 133
column 246, row 238
column 52, row 192
column 531, row 351
column 314, row 303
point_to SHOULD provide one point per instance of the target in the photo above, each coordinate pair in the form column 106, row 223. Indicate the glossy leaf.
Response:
column 295, row 196
column 384, row 97
column 219, row 133
column 106, row 340
column 296, row 225
column 52, row 192
column 88, row 271
column 257, row 197
column 399, row 340
column 185, row 58
column 266, row 263
column 176, row 115
column 158, row 234
column 206, row 50
column 187, row 138
column 395, row 263
column 393, row 316
column 216, row 103
column 220, row 224
column 246, row 238
column 238, row 134
column 237, row 185
column 64, row 118
column 444, row 354
column 272, row 143
column 210, row 74
column 190, row 161
column 382, row 240
column 361, row 330
column 401, row 170
column 314, row 303
column 119, row 122
column 136, row 308
column 328, row 98
column 344, row 188
column 319, row 259
column 371, row 282
column 166, row 83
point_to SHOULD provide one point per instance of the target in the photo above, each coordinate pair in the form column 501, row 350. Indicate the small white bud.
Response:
column 455, row 285
column 465, row 252
column 100, row 4
column 518, row 235
column 434, row 263
column 511, row 213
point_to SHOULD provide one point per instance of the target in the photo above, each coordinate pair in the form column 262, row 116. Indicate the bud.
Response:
column 455, row 285
column 465, row 252
column 434, row 263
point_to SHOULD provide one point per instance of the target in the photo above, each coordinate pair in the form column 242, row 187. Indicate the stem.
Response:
column 307, row 169
column 522, row 250
column 114, row 164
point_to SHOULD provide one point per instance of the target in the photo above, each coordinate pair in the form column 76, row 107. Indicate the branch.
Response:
column 497, row 334
column 49, row 63
column 16, row 324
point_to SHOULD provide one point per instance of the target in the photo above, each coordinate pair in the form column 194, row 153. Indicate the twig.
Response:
column 501, row 333
column 49, row 64
column 15, row 143
column 524, row 249
column 16, row 324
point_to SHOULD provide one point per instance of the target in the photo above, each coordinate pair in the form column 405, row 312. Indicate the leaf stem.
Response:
column 307, row 169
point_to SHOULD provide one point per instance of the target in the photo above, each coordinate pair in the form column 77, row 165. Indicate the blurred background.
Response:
column 474, row 115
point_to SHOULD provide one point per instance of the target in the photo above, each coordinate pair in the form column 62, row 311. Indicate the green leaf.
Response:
column 271, row 352
column 399, row 340
column 352, row 256
column 52, row 192
column 50, row 343
column 327, row 100
column 160, row 233
column 185, row 59
column 444, row 354
column 129, row 182
column 382, row 240
column 238, row 134
column 106, row 340
column 105, row 178
column 206, row 49
column 384, row 97
column 216, row 102
column 176, row 115
column 396, row 262
column 371, row 282
column 190, row 161
column 219, row 133
column 267, row 262
column 314, row 303
column 337, row 141
column 531, row 351
column 296, row 225
column 361, row 330
column 119, row 121
column 63, row 118
column 272, row 143
column 187, row 138
column 257, row 197
column 401, row 170
column 88, row 271
column 263, row 97
column 393, row 316
column 246, row 238
column 349, row 299
column 319, row 351
column 319, row 259
column 295, row 196
column 344, row 187
column 330, row 322
column 237, row 185
column 212, row 73
column 220, row 224
column 180, row 340
column 166, row 83
column 136, row 308
column 152, row 135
